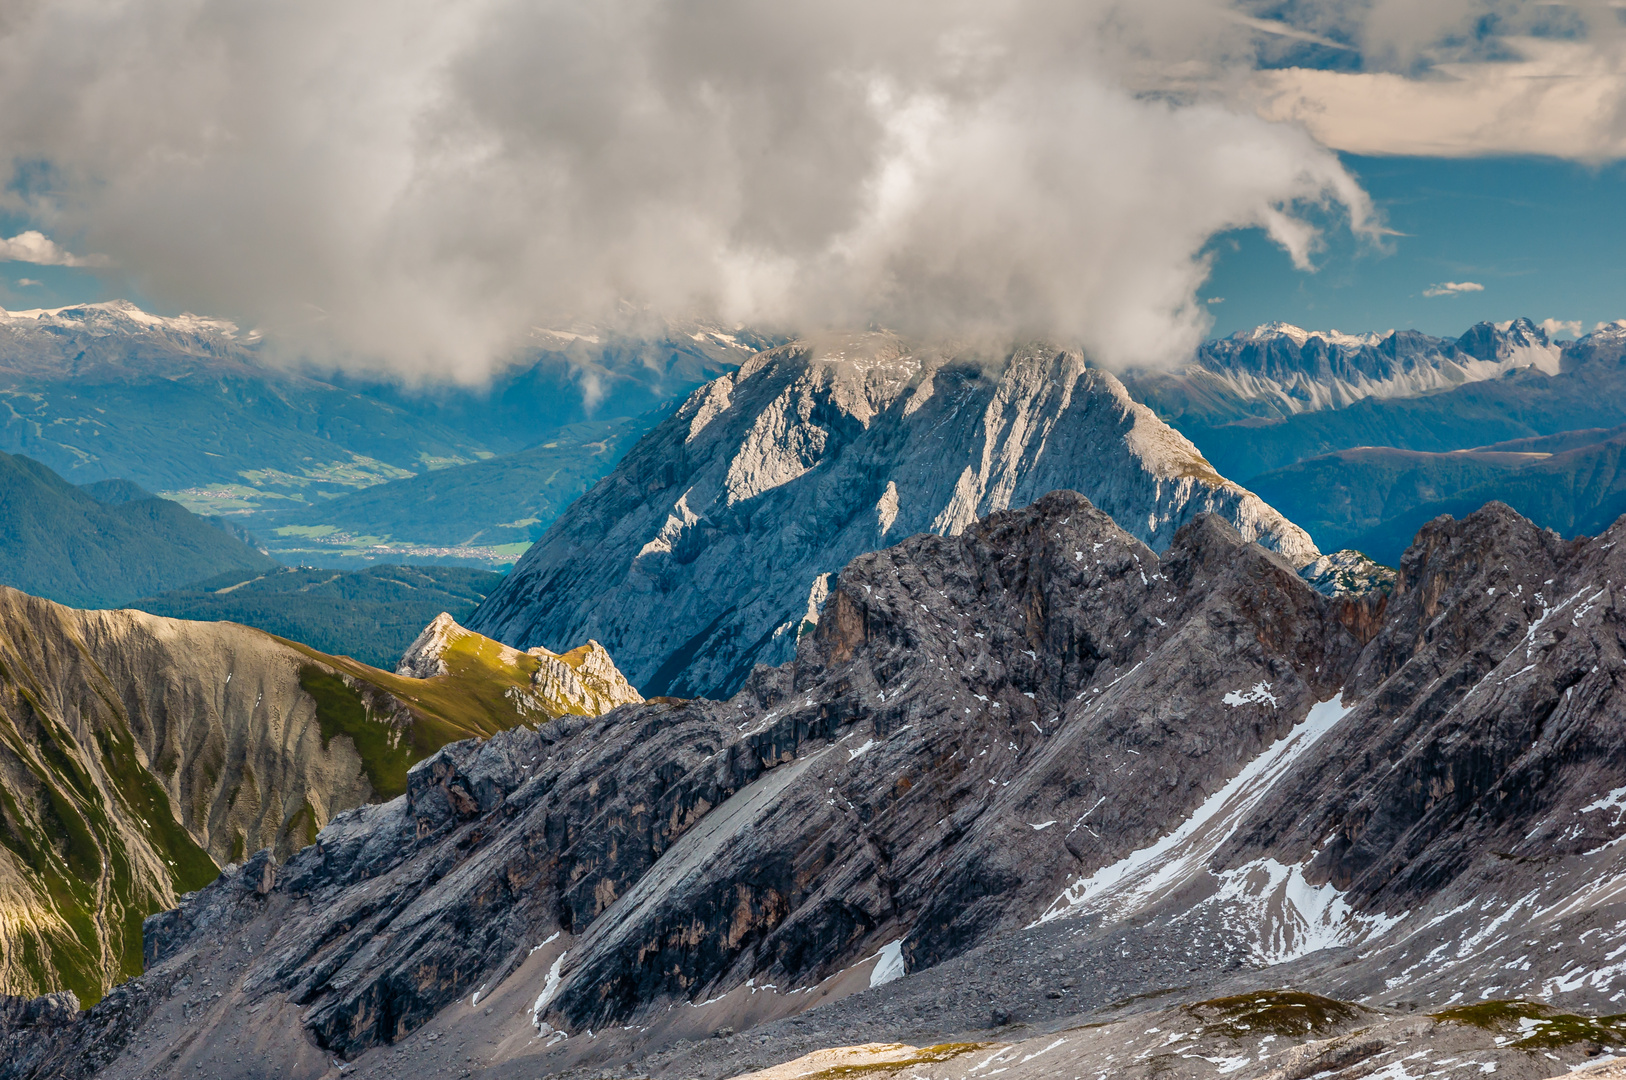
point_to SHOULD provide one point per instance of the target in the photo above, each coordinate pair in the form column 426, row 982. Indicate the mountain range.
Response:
column 711, row 546
column 1279, row 370
column 1029, row 792
column 1029, row 743
column 227, row 423
column 348, row 471
column 1247, row 437
column 139, row 754
column 1376, row 498
column 107, row 543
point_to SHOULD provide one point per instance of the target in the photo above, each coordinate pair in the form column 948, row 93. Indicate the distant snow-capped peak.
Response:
column 120, row 316
column 1298, row 335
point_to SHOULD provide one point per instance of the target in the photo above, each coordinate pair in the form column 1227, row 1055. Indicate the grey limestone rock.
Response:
column 713, row 545
column 1035, row 766
column 1347, row 573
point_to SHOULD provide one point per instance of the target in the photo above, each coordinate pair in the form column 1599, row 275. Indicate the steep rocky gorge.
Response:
column 137, row 754
column 714, row 543
column 1002, row 759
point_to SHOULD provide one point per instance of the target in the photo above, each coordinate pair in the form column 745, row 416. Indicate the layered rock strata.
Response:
column 1014, row 775
column 138, row 754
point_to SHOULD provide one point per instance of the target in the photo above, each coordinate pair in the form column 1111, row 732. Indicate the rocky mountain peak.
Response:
column 1034, row 766
column 584, row 680
column 425, row 657
column 711, row 547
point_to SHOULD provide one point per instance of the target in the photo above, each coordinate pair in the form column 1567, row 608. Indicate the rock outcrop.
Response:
column 713, row 545
column 1345, row 573
column 1013, row 775
column 137, row 754
column 583, row 681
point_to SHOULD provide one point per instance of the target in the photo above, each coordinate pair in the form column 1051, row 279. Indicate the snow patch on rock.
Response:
column 1143, row 877
column 888, row 964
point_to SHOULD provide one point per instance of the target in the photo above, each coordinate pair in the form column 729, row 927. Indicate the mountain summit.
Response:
column 712, row 546
column 1278, row 369
column 1015, row 781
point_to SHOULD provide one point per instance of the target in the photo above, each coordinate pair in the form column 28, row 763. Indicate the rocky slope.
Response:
column 1020, row 776
column 137, row 753
column 714, row 543
column 1277, row 370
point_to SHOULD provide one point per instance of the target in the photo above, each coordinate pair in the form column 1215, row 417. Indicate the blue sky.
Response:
column 1546, row 238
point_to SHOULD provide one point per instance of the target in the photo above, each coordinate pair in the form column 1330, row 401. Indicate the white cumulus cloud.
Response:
column 1453, row 288
column 34, row 246
column 1555, row 97
column 417, row 184
column 1560, row 329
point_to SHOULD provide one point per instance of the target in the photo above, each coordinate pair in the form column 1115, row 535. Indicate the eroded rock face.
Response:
column 1033, row 741
column 713, row 545
column 139, row 754
column 583, row 681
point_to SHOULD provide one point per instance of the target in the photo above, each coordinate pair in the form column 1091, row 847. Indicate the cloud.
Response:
column 26, row 282
column 1554, row 97
column 1453, row 288
column 1560, row 329
column 33, row 246
column 417, row 184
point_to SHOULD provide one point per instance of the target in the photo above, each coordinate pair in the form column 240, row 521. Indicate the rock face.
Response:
column 1346, row 573
column 137, row 753
column 584, row 681
column 1278, row 369
column 1015, row 773
column 713, row 546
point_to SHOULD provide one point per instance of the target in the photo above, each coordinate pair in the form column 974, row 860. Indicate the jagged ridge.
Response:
column 713, row 544
column 137, row 753
column 1038, row 719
